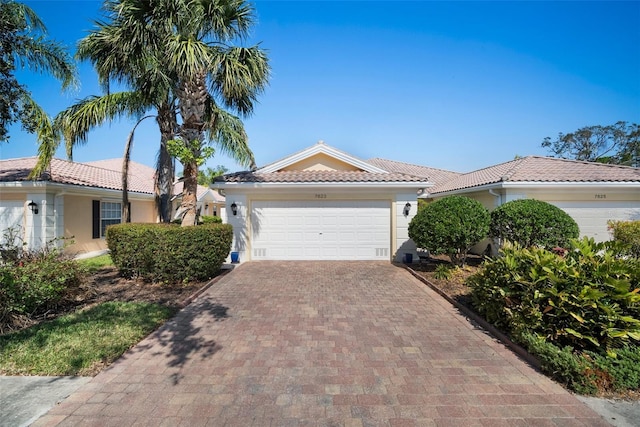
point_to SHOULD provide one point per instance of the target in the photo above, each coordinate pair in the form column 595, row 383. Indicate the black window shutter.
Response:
column 96, row 219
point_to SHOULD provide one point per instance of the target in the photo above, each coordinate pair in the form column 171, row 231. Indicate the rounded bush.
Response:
column 450, row 226
column 530, row 222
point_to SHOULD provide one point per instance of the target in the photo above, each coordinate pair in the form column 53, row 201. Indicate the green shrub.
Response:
column 589, row 299
column 443, row 272
column 36, row 282
column 167, row 252
column 627, row 232
column 621, row 372
column 562, row 364
column 530, row 222
column 451, row 226
column 210, row 219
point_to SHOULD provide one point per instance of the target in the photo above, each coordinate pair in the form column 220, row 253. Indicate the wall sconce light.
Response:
column 407, row 209
column 234, row 209
column 34, row 207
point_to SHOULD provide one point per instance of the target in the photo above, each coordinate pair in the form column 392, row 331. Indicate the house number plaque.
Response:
column 321, row 196
column 601, row 196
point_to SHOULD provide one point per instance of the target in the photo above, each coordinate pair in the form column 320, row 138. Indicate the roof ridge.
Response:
column 518, row 163
column 561, row 159
column 412, row 164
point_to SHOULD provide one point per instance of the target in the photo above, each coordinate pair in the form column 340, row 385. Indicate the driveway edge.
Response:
column 524, row 354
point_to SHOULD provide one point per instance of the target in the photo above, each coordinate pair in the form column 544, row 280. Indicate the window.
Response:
column 110, row 213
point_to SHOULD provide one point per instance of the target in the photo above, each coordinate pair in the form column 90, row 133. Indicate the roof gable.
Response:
column 320, row 157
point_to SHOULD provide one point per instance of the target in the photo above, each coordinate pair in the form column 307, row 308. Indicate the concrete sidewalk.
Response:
column 25, row 399
column 318, row 344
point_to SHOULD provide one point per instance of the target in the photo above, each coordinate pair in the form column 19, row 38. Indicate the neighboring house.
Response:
column 321, row 204
column 209, row 202
column 591, row 193
column 77, row 200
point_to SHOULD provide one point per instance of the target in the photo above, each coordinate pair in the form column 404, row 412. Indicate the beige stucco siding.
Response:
column 320, row 162
column 78, row 221
column 4, row 195
column 591, row 207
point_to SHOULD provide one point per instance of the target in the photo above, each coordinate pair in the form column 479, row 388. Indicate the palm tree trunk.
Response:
column 164, row 166
column 193, row 96
column 126, row 212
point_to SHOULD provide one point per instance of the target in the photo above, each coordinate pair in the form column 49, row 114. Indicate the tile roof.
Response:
column 317, row 177
column 437, row 176
column 541, row 169
column 103, row 174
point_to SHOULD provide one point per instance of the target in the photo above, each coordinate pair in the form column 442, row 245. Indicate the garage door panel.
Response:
column 321, row 230
column 592, row 217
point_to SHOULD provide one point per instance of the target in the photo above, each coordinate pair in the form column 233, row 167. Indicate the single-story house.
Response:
column 321, row 204
column 78, row 200
column 591, row 193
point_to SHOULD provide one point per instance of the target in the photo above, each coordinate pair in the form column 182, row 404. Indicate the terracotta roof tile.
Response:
column 82, row 174
column 318, row 177
column 437, row 176
column 541, row 169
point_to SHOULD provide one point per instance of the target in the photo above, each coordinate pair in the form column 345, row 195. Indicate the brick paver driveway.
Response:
column 320, row 344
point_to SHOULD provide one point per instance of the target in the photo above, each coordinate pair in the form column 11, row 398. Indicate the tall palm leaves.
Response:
column 176, row 53
column 189, row 41
column 23, row 44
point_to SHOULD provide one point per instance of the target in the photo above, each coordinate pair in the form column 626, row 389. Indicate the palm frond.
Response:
column 76, row 121
column 227, row 132
column 241, row 75
column 48, row 137
column 46, row 56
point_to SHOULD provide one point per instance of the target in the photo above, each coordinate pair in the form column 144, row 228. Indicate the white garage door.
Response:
column 592, row 217
column 11, row 214
column 321, row 230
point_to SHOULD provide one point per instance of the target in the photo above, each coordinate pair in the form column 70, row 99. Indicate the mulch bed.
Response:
column 106, row 285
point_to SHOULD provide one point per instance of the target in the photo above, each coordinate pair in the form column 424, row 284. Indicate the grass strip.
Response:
column 80, row 343
column 96, row 263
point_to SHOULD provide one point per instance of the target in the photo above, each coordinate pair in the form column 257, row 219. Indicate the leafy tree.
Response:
column 451, row 225
column 530, row 222
column 23, row 43
column 207, row 176
column 616, row 144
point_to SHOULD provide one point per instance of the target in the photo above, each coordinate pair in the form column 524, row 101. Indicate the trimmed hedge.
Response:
column 530, row 222
column 168, row 252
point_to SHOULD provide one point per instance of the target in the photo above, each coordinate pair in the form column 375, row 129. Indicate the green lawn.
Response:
column 96, row 263
column 80, row 343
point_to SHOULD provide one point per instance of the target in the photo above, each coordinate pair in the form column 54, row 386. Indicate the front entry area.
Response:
column 321, row 230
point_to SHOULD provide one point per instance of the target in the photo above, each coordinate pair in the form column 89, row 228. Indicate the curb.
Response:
column 524, row 354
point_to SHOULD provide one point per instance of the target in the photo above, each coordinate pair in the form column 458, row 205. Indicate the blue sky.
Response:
column 452, row 85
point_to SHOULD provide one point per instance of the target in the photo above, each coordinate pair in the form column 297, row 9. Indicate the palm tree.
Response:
column 23, row 43
column 187, row 42
column 153, row 47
